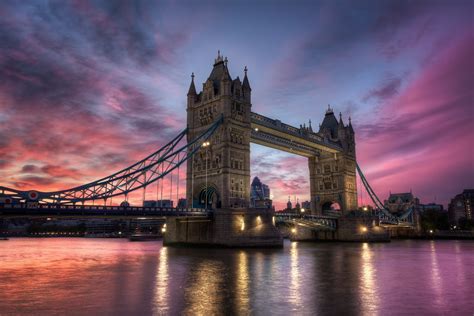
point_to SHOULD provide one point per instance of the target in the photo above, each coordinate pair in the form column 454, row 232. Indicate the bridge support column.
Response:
column 224, row 228
column 332, row 180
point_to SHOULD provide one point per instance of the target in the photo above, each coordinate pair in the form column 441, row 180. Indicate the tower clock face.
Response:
column 459, row 203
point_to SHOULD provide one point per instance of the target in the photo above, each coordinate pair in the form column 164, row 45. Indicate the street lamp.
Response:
column 205, row 145
column 365, row 208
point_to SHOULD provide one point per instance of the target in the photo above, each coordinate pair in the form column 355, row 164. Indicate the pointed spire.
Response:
column 219, row 58
column 340, row 118
column 329, row 110
column 350, row 125
column 310, row 127
column 245, row 83
column 192, row 88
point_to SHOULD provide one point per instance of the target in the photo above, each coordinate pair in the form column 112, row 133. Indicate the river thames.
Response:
column 117, row 277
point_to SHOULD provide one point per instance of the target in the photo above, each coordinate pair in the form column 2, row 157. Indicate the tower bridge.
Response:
column 220, row 127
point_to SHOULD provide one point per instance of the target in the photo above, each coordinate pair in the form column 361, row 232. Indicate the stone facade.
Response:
column 227, row 227
column 333, row 175
column 399, row 203
column 227, row 159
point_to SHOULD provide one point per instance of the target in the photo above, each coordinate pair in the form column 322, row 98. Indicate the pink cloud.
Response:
column 423, row 138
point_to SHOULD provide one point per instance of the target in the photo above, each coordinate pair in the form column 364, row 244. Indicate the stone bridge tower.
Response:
column 333, row 175
column 227, row 159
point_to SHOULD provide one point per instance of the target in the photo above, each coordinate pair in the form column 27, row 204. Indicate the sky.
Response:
column 89, row 87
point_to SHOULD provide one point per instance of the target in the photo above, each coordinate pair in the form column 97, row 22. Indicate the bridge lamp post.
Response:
column 206, row 145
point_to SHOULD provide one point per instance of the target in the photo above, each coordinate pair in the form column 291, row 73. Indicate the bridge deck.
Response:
column 99, row 211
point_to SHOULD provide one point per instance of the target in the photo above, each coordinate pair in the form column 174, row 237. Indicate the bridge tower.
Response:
column 226, row 160
column 333, row 175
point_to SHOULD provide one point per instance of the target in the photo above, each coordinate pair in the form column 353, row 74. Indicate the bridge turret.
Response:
column 225, row 85
column 226, row 160
column 192, row 95
column 247, row 91
column 330, row 125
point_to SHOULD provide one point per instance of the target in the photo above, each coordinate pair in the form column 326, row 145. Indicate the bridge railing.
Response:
column 20, row 206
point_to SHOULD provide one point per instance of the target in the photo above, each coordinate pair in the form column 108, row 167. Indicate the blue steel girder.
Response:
column 384, row 215
column 139, row 175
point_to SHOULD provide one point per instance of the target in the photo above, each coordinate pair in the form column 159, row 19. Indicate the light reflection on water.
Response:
column 95, row 277
column 368, row 286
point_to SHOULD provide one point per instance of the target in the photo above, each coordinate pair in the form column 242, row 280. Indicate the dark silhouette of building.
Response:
column 461, row 206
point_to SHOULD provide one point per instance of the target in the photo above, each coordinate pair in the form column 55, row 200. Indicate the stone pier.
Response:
column 224, row 228
column 357, row 229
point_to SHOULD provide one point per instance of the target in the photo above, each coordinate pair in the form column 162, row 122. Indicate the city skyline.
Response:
column 89, row 88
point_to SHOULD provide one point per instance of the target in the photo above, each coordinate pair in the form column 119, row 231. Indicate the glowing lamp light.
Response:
column 293, row 230
column 302, row 210
column 365, row 208
column 205, row 144
column 364, row 229
column 256, row 129
column 242, row 226
column 431, row 231
column 163, row 230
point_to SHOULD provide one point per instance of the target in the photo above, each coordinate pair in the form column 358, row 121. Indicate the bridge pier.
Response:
column 224, row 228
column 347, row 228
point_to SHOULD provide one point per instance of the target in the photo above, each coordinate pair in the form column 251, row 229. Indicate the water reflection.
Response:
column 116, row 277
column 436, row 279
column 295, row 282
column 242, row 290
column 368, row 286
column 203, row 291
column 161, row 284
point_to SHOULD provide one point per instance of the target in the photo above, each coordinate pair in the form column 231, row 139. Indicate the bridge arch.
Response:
column 213, row 197
column 329, row 206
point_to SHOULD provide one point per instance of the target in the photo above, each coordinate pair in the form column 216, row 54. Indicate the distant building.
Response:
column 432, row 207
column 398, row 203
column 461, row 206
column 260, row 194
column 182, row 203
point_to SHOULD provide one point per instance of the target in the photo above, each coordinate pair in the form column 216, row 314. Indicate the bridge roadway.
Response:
column 275, row 134
column 308, row 221
column 96, row 211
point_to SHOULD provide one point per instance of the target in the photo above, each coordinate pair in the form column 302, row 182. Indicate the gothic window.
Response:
column 318, row 171
column 336, row 167
column 327, row 169
column 334, row 185
column 237, row 94
column 327, row 185
column 321, row 186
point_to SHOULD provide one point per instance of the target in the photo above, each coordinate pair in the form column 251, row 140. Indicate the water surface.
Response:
column 115, row 277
